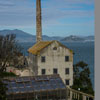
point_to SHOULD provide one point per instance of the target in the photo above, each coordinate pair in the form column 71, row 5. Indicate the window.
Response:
column 43, row 71
column 55, row 48
column 66, row 58
column 67, row 82
column 55, row 71
column 43, row 59
column 67, row 71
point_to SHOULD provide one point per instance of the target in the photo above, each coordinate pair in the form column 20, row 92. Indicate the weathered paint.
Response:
column 54, row 59
column 32, row 62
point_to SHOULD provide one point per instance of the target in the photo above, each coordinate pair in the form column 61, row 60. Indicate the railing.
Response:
column 77, row 95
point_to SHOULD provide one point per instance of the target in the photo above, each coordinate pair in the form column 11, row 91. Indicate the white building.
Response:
column 51, row 57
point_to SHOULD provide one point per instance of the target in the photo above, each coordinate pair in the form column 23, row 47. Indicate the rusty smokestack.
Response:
column 38, row 21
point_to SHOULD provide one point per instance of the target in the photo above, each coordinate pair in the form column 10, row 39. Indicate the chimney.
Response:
column 38, row 21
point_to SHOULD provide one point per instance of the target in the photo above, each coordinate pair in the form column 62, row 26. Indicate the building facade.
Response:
column 51, row 57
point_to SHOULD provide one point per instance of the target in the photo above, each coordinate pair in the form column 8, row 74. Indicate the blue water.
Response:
column 82, row 52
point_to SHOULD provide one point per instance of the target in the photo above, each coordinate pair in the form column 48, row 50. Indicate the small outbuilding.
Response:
column 44, row 87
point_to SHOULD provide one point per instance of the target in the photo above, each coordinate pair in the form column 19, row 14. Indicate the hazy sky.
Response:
column 60, row 17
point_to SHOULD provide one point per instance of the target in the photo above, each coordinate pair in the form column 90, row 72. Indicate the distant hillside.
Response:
column 73, row 38
column 89, row 38
column 45, row 37
column 22, row 36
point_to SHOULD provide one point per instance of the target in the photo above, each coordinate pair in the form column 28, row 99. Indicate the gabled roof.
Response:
column 36, row 49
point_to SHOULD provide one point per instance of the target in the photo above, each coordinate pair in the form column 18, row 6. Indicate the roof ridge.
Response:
column 35, row 49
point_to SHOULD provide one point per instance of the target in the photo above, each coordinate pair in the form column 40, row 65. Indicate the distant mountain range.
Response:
column 73, row 38
column 22, row 36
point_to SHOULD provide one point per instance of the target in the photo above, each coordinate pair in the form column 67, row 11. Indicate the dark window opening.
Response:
column 43, row 71
column 55, row 71
column 67, row 71
column 55, row 48
column 43, row 59
column 67, row 82
column 66, row 58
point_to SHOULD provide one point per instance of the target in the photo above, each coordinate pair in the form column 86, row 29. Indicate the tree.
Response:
column 9, row 52
column 82, row 78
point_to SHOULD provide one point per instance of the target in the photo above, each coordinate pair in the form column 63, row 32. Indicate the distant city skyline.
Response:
column 59, row 17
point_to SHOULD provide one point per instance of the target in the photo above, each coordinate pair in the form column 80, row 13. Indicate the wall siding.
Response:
column 56, row 59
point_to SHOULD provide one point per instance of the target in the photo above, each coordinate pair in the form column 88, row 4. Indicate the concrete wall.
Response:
column 19, row 72
column 56, row 59
column 32, row 62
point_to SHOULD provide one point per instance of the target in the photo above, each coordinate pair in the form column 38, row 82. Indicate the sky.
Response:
column 59, row 17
